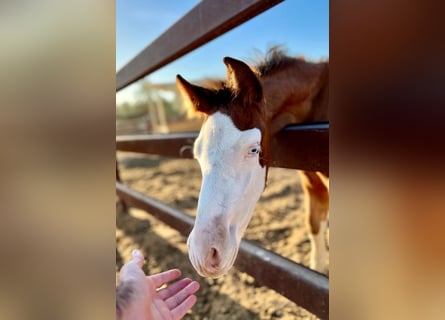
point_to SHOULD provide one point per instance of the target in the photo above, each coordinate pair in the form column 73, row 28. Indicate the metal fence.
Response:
column 303, row 147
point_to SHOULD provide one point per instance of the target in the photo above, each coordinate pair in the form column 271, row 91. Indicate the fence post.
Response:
column 120, row 203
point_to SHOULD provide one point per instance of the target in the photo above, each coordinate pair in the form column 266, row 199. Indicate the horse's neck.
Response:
column 298, row 93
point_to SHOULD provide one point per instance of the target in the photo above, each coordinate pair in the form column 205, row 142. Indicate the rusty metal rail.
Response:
column 205, row 22
column 296, row 147
column 308, row 288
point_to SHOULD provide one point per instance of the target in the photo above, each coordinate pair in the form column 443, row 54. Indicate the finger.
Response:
column 174, row 288
column 184, row 307
column 164, row 277
column 182, row 295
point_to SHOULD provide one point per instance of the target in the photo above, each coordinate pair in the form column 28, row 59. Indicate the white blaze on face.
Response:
column 232, row 182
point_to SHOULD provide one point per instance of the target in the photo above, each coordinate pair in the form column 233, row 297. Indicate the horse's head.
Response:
column 229, row 149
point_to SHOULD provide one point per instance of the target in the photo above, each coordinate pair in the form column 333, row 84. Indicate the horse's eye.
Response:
column 255, row 150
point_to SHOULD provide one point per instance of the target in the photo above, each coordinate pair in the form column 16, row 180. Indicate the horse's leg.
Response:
column 315, row 187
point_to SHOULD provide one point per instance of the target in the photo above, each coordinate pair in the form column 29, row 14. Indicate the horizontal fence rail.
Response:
column 307, row 288
column 203, row 23
column 304, row 147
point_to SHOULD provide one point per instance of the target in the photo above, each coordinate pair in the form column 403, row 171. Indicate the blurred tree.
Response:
column 128, row 110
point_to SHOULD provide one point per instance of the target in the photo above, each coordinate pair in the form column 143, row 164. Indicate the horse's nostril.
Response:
column 213, row 259
column 214, row 253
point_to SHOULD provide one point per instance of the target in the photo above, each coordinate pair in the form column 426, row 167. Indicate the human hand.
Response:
column 138, row 297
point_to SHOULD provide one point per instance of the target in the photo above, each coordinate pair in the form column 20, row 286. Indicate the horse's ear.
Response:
column 243, row 80
column 195, row 97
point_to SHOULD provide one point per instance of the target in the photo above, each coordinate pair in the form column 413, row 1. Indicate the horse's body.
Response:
column 242, row 118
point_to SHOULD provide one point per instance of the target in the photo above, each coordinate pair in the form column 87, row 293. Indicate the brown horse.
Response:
column 242, row 117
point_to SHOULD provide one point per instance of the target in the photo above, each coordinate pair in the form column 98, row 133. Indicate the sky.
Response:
column 301, row 26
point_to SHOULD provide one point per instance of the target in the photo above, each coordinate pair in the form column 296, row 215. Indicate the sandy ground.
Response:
column 278, row 224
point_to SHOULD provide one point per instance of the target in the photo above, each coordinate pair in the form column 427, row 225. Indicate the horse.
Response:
column 241, row 118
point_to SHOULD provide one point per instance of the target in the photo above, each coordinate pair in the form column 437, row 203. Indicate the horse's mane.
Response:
column 275, row 59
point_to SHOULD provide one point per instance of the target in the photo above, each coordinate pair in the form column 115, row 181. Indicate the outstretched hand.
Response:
column 138, row 297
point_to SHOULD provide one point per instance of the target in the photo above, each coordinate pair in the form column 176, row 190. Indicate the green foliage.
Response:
column 129, row 111
column 140, row 108
column 171, row 111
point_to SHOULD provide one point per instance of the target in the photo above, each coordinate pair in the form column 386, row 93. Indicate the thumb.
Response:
column 137, row 257
column 133, row 268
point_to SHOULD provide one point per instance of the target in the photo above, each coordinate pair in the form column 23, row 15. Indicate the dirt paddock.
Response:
column 278, row 224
